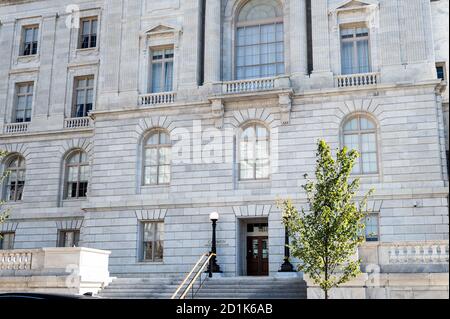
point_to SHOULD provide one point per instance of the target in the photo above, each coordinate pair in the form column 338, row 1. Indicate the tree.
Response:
column 3, row 213
column 326, row 238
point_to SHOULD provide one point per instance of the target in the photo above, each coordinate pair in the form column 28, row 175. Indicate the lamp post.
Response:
column 213, row 267
column 286, row 266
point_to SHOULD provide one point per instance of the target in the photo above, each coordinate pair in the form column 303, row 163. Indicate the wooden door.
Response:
column 257, row 256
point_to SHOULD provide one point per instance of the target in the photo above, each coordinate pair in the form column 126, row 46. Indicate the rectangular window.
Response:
column 30, row 40
column 355, row 54
column 440, row 71
column 83, row 96
column 24, row 102
column 88, row 33
column 69, row 238
column 7, row 240
column 372, row 223
column 152, row 241
column 260, row 51
column 162, row 70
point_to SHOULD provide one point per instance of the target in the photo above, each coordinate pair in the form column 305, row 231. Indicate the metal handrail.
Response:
column 193, row 280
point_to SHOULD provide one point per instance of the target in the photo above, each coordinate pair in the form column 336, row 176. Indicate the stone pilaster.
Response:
column 46, row 45
column 298, row 46
column 321, row 44
column 212, row 41
column 6, row 38
column 189, row 68
column 110, row 59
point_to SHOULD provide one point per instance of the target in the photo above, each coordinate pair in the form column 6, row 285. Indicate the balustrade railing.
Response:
column 77, row 122
column 416, row 253
column 157, row 98
column 15, row 259
column 355, row 80
column 243, row 86
column 14, row 128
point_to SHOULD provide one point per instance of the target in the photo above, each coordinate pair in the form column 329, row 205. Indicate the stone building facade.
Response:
column 91, row 90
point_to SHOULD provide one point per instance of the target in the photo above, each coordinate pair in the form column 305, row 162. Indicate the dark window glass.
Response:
column 69, row 238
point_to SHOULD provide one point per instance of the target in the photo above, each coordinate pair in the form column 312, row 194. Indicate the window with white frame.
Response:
column 260, row 40
column 355, row 51
column 254, row 152
column 162, row 70
column 157, row 158
column 7, row 240
column 152, row 241
column 15, row 178
column 88, row 33
column 360, row 134
column 23, row 103
column 30, row 40
column 83, row 96
column 77, row 175
column 372, row 225
column 69, row 238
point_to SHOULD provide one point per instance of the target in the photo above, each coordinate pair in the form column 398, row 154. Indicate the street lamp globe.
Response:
column 214, row 216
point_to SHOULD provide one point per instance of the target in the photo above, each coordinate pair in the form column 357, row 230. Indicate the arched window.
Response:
column 360, row 133
column 254, row 153
column 15, row 179
column 77, row 175
column 157, row 158
column 260, row 40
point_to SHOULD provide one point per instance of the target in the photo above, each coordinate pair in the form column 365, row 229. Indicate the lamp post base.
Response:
column 286, row 266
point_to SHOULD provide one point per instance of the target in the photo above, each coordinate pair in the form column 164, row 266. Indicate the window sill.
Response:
column 143, row 262
column 156, row 186
column 27, row 58
column 87, row 49
column 70, row 200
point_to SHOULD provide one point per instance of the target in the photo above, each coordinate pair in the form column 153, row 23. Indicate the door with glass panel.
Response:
column 257, row 256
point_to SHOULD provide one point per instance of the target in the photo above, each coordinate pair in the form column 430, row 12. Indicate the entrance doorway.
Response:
column 255, row 247
column 257, row 256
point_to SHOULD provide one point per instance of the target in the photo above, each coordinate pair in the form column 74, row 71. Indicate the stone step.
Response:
column 214, row 288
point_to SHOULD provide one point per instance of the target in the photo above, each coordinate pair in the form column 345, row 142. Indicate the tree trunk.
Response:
column 326, row 294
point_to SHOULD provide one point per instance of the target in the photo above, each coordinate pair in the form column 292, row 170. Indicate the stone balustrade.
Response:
column 16, row 259
column 253, row 85
column 60, row 270
column 77, row 122
column 157, row 98
column 414, row 253
column 15, row 128
column 356, row 80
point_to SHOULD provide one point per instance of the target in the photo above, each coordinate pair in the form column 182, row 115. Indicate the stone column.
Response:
column 297, row 29
column 212, row 41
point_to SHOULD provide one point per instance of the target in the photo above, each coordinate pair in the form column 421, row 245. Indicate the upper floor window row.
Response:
column 83, row 99
column 87, row 37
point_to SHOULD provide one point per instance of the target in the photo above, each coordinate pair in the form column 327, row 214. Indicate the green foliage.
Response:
column 3, row 213
column 326, row 238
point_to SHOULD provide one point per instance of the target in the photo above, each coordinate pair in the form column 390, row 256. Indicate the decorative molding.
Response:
column 252, row 210
column 69, row 224
column 285, row 100
column 77, row 143
column 152, row 214
column 18, row 148
column 240, row 117
column 218, row 112
column 360, row 105
column 8, row 227
column 154, row 122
